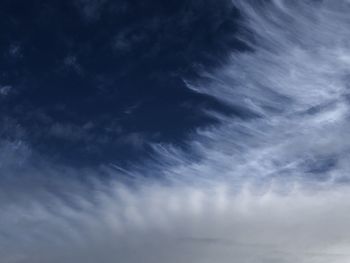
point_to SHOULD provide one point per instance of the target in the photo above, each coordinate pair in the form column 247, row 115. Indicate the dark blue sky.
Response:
column 93, row 81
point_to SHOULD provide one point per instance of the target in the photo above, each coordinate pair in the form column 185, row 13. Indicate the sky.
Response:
column 174, row 131
column 92, row 81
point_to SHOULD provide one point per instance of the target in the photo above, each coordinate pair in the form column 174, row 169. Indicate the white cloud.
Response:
column 186, row 224
column 267, row 189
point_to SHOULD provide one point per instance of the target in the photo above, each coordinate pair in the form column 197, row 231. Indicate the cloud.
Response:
column 121, row 43
column 69, row 132
column 5, row 90
column 15, row 51
column 127, row 40
column 71, row 62
column 269, row 188
column 90, row 9
column 187, row 224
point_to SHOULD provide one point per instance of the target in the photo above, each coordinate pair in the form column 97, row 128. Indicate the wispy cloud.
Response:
column 268, row 188
column 5, row 90
column 71, row 62
column 90, row 9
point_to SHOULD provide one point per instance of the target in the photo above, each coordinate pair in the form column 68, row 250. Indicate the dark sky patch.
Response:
column 91, row 81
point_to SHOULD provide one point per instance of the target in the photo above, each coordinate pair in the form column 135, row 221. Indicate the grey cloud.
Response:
column 134, row 140
column 71, row 62
column 69, row 131
column 90, row 9
column 15, row 50
column 127, row 40
column 5, row 90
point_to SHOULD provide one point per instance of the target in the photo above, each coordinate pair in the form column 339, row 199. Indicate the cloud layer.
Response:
column 270, row 185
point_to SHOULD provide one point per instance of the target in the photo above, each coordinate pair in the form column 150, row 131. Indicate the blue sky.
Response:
column 94, row 81
column 181, row 131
